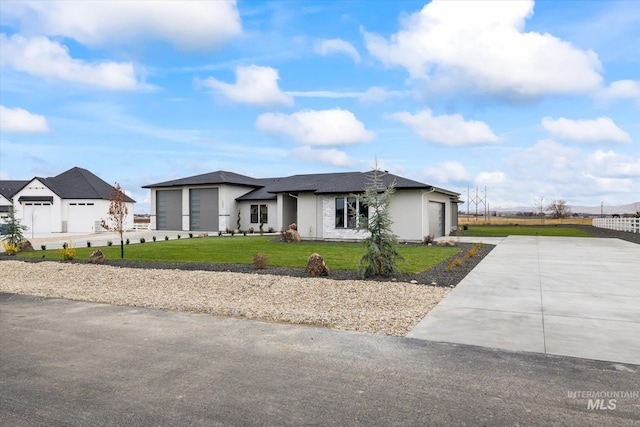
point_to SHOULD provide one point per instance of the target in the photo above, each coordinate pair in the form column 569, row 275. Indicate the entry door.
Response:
column 436, row 219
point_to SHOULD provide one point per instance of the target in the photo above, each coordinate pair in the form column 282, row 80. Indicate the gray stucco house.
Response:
column 317, row 203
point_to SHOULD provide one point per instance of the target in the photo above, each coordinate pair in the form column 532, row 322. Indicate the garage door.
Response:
column 37, row 217
column 80, row 217
column 169, row 209
column 436, row 219
column 203, row 209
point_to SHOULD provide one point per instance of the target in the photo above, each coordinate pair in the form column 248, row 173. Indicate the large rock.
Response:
column 97, row 257
column 25, row 246
column 316, row 266
column 291, row 235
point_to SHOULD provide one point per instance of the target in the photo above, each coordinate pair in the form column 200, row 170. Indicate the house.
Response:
column 320, row 204
column 76, row 201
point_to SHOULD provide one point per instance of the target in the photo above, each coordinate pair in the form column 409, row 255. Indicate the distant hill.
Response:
column 588, row 210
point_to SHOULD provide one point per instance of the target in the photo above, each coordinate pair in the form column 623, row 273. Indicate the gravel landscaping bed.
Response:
column 391, row 306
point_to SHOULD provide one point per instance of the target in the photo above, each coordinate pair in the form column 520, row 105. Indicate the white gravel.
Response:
column 391, row 308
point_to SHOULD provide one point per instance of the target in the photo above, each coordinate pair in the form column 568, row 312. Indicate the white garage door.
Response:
column 37, row 217
column 436, row 219
column 80, row 218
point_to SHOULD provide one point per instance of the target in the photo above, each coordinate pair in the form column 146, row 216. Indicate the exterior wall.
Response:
column 29, row 217
column 310, row 208
column 245, row 215
column 406, row 213
column 101, row 211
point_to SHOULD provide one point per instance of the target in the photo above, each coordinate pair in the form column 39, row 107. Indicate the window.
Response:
column 349, row 210
column 259, row 214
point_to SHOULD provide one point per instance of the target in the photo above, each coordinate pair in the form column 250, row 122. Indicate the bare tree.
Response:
column 559, row 209
column 118, row 212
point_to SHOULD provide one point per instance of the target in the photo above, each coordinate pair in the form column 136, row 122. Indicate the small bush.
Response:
column 154, row 238
column 465, row 227
column 220, row 233
column 178, row 236
column 260, row 261
column 166, row 237
column 68, row 252
column 142, row 240
column 472, row 252
column 127, row 241
column 271, row 230
column 191, row 235
column 10, row 248
column 109, row 243
column 244, row 233
column 251, row 230
column 428, row 240
column 88, row 244
column 233, row 232
column 43, row 247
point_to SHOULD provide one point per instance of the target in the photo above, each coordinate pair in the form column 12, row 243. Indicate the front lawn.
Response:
column 240, row 250
column 500, row 230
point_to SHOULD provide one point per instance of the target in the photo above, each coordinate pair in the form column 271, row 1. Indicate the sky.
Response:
column 526, row 100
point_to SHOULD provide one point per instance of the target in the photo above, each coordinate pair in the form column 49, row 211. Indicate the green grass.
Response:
column 240, row 250
column 500, row 230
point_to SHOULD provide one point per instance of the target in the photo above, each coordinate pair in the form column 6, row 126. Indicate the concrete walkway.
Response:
column 567, row 296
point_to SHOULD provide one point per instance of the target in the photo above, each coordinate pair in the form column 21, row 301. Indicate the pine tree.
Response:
column 382, row 256
column 13, row 229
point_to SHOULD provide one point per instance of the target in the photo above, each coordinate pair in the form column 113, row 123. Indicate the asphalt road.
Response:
column 76, row 363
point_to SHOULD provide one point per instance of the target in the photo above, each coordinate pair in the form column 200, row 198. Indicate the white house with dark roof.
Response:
column 76, row 201
column 317, row 203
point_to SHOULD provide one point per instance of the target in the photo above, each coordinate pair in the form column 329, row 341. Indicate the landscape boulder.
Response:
column 97, row 257
column 25, row 246
column 316, row 266
column 291, row 235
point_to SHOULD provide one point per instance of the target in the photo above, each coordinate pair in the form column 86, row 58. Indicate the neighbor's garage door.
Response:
column 203, row 209
column 436, row 219
column 37, row 217
column 169, row 209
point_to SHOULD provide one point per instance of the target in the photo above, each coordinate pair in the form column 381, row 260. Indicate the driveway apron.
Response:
column 567, row 296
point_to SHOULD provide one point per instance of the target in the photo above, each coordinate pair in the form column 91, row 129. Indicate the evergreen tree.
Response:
column 13, row 229
column 382, row 253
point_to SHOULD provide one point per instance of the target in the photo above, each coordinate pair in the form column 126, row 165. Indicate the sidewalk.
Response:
column 557, row 295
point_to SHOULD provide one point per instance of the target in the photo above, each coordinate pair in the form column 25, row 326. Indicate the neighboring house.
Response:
column 317, row 203
column 76, row 201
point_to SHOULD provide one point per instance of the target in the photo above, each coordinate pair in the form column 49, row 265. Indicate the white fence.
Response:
column 620, row 224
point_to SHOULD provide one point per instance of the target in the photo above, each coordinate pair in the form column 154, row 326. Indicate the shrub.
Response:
column 43, row 247
column 472, row 252
column 260, row 261
column 233, row 232
column 10, row 248
column 109, row 243
column 166, row 237
column 88, row 244
column 128, row 241
column 178, row 236
column 251, row 230
column 271, row 230
column 154, row 238
column 428, row 240
column 220, row 233
column 244, row 233
column 68, row 251
column 142, row 240
column 191, row 235
column 465, row 227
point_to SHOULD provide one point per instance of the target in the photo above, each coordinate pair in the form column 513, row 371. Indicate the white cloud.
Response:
column 20, row 120
column 186, row 24
column 611, row 164
column 483, row 44
column 311, row 127
column 42, row 57
column 330, row 46
column 489, row 178
column 446, row 172
column 451, row 130
column 379, row 94
column 254, row 85
column 602, row 129
column 330, row 156
column 620, row 89
column 324, row 94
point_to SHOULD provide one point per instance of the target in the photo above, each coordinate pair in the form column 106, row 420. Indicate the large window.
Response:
column 259, row 214
column 348, row 211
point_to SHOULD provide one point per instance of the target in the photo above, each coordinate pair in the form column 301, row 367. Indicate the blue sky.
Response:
column 530, row 100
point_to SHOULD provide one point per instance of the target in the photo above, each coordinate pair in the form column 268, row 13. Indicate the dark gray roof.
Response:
column 9, row 188
column 219, row 177
column 78, row 183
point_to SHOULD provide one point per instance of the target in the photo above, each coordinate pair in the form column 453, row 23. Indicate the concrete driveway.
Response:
column 78, row 363
column 557, row 295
